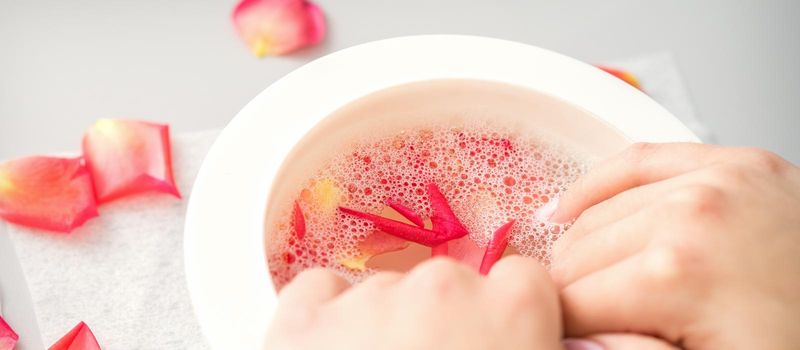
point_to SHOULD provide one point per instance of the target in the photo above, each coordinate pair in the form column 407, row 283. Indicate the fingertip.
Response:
column 521, row 270
column 313, row 286
column 618, row 341
column 548, row 211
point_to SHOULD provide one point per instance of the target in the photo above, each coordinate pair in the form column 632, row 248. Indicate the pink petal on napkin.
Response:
column 128, row 157
column 79, row 338
column 7, row 336
column 46, row 192
column 277, row 27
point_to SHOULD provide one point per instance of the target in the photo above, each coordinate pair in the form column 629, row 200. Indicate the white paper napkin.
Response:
column 122, row 273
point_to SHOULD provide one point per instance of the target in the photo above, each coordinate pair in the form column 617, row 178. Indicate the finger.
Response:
column 640, row 164
column 618, row 341
column 521, row 290
column 312, row 288
column 614, row 209
column 604, row 247
column 440, row 276
column 640, row 294
column 372, row 287
column 629, row 203
column 520, row 273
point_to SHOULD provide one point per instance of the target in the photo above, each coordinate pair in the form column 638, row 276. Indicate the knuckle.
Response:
column 310, row 277
column 379, row 281
column 698, row 202
column 637, row 152
column 672, row 265
column 531, row 282
column 764, row 160
column 518, row 298
column 730, row 175
column 436, row 277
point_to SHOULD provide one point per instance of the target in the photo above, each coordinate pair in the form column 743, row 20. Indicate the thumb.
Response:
column 617, row 341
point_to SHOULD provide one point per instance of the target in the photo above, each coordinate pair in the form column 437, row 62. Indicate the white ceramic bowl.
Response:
column 225, row 261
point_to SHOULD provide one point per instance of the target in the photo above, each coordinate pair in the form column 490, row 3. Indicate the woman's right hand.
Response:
column 696, row 244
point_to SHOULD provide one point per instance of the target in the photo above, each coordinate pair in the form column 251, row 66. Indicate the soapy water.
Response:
column 489, row 176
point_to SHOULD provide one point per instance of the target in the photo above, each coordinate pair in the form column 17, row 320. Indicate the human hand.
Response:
column 439, row 305
column 696, row 244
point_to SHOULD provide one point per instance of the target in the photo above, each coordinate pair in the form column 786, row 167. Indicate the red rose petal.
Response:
column 406, row 212
column 79, row 338
column 8, row 338
column 402, row 230
column 276, row 27
column 442, row 216
column 621, row 74
column 496, row 247
column 127, row 157
column 298, row 221
column 46, row 192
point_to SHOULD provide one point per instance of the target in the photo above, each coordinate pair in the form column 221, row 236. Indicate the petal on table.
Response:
column 128, row 157
column 46, row 192
column 626, row 76
column 7, row 336
column 79, row 338
column 276, row 27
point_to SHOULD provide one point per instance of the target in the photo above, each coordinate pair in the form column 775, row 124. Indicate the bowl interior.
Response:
column 453, row 103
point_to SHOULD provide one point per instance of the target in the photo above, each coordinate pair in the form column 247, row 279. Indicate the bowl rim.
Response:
column 224, row 256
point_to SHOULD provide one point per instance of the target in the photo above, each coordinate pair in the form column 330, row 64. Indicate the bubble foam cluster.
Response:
column 489, row 176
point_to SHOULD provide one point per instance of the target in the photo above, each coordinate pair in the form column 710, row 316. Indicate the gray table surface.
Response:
column 64, row 64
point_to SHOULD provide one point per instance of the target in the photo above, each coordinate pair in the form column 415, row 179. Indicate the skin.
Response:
column 675, row 246
column 440, row 304
column 698, row 245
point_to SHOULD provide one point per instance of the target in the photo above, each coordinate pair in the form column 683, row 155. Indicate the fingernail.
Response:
column 545, row 212
column 581, row 344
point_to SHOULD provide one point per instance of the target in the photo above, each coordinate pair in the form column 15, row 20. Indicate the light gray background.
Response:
column 64, row 64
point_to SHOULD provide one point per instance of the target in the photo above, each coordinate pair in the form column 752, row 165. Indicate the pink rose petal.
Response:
column 277, row 27
column 79, row 338
column 7, row 336
column 46, row 192
column 128, row 157
column 377, row 243
column 496, row 247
